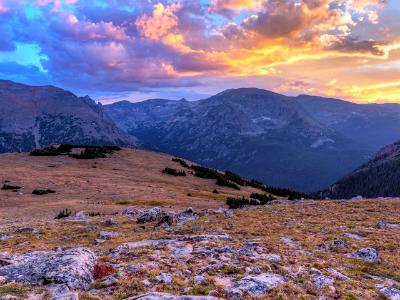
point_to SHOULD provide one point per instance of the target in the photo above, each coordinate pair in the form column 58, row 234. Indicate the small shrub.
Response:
column 40, row 192
column 103, row 269
column 65, row 213
column 215, row 191
column 7, row 186
column 173, row 172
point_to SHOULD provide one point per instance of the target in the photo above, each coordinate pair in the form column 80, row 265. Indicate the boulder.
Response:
column 385, row 225
column 132, row 211
column 258, row 285
column 73, row 267
column 366, row 254
column 321, row 280
column 150, row 215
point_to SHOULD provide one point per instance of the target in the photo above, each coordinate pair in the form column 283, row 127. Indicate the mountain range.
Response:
column 32, row 117
column 304, row 143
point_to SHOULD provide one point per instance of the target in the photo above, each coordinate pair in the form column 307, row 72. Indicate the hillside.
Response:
column 32, row 117
column 379, row 177
column 253, row 132
column 133, row 232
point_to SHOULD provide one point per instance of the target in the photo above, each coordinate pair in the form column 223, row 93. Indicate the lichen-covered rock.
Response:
column 108, row 235
column 150, row 215
column 260, row 284
column 389, row 292
column 164, row 296
column 336, row 274
column 73, row 268
column 366, row 254
column 321, row 280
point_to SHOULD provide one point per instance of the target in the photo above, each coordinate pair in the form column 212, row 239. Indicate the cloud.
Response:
column 125, row 45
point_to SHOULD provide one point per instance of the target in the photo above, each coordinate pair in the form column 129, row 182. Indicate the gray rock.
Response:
column 366, row 254
column 389, row 292
column 321, row 280
column 205, row 237
column 132, row 211
column 340, row 244
column 61, row 292
column 336, row 274
column 235, row 294
column 150, row 215
column 109, row 223
column 260, row 284
column 353, row 236
column 82, row 215
column 108, row 235
column 5, row 237
column 25, row 230
column 199, row 280
column 385, row 225
column 73, row 268
column 164, row 296
column 165, row 278
column 272, row 257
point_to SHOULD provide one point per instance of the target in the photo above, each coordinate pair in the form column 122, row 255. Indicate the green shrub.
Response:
column 173, row 172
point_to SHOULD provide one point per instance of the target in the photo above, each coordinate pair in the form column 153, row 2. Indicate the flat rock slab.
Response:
column 258, row 285
column 73, row 268
column 163, row 296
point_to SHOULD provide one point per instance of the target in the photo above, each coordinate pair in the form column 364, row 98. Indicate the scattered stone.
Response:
column 366, row 254
column 164, row 296
column 132, row 211
column 110, row 223
column 385, row 225
column 61, row 292
column 165, row 278
column 205, row 237
column 25, row 230
column 108, row 235
column 260, row 284
column 272, row 257
column 288, row 241
column 82, row 215
column 389, row 292
column 337, row 275
column 322, row 280
column 199, row 280
column 339, row 244
column 5, row 237
column 353, row 236
column 72, row 267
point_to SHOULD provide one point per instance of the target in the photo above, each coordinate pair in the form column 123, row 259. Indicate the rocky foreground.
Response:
column 284, row 250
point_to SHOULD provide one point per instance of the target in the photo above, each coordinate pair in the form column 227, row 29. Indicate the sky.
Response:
column 139, row 49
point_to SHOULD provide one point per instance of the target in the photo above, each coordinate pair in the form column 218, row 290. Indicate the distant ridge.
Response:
column 379, row 177
column 36, row 116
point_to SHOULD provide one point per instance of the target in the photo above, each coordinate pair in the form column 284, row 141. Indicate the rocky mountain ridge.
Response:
column 32, row 117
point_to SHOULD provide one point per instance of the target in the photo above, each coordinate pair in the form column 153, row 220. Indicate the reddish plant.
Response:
column 103, row 269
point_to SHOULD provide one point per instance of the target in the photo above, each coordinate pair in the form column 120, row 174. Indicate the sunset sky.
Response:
column 139, row 49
